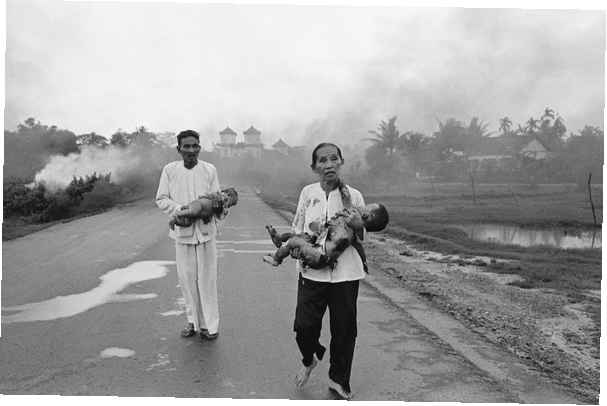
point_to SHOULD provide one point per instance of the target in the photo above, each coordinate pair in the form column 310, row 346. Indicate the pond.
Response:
column 528, row 237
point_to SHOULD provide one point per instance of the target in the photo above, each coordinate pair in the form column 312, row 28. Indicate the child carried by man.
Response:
column 205, row 207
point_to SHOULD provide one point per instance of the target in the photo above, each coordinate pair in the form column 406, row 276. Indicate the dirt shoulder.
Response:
column 545, row 327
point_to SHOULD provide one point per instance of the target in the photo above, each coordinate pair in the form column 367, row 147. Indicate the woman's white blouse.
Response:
column 315, row 206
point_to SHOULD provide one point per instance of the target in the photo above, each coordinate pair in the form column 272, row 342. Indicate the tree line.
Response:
column 396, row 157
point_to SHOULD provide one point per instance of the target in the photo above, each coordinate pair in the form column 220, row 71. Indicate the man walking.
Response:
column 195, row 248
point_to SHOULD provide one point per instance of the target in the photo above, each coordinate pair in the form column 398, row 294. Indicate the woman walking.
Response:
column 335, row 288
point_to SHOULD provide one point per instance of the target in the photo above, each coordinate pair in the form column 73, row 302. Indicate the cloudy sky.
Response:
column 297, row 72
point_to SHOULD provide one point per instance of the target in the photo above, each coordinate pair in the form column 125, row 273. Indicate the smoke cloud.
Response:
column 464, row 63
column 304, row 74
column 121, row 163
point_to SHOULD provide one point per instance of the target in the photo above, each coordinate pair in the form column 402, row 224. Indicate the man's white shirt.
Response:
column 179, row 186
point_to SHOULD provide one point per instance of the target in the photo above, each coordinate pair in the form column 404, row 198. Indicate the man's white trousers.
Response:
column 197, row 273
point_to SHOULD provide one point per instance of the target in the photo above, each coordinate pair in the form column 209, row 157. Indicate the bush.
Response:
column 103, row 196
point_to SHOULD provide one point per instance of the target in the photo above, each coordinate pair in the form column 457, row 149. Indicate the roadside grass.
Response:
column 430, row 216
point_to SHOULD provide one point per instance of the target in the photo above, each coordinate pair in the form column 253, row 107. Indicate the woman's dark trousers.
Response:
column 312, row 301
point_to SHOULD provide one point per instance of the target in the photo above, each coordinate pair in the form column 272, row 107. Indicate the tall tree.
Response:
column 532, row 126
column 388, row 136
column 558, row 128
column 477, row 128
column 92, row 139
column 505, row 125
column 548, row 114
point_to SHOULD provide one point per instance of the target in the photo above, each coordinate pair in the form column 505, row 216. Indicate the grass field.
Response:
column 428, row 215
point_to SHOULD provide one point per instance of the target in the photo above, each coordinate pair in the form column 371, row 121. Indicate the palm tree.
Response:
column 548, row 113
column 411, row 142
column 531, row 126
column 451, row 136
column 559, row 128
column 477, row 128
column 505, row 124
column 388, row 137
column 520, row 131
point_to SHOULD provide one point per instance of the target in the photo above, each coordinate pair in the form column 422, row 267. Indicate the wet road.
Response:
column 92, row 307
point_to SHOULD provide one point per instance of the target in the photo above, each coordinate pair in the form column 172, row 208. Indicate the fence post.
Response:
column 590, row 198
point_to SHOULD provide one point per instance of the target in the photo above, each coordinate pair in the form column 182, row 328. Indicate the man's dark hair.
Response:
column 319, row 146
column 185, row 134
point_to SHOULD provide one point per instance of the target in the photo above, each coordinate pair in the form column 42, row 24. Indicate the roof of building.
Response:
column 252, row 131
column 280, row 144
column 227, row 131
column 503, row 145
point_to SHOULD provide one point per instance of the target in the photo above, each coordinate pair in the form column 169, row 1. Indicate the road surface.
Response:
column 92, row 307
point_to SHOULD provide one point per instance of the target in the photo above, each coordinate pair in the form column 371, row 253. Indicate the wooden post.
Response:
column 513, row 195
column 590, row 198
column 473, row 190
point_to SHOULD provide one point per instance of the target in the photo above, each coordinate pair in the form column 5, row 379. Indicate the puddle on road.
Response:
column 111, row 283
column 116, row 352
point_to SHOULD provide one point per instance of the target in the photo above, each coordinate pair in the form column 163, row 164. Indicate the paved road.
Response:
column 92, row 307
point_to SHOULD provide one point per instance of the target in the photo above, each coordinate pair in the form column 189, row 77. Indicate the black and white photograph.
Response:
column 302, row 201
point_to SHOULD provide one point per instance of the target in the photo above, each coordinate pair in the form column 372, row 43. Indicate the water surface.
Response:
column 528, row 237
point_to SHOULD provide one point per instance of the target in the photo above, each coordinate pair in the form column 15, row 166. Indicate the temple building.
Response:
column 250, row 144
column 228, row 146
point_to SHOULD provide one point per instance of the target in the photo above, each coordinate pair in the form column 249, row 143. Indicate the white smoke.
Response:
column 61, row 169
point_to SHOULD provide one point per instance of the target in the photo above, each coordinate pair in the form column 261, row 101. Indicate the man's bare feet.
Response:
column 270, row 260
column 339, row 390
column 304, row 373
column 274, row 236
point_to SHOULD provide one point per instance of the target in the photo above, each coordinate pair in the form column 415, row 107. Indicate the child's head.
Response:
column 232, row 196
column 375, row 217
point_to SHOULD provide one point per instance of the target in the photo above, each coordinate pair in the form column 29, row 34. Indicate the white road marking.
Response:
column 266, row 241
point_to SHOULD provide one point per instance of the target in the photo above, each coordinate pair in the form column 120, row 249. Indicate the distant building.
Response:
column 505, row 148
column 228, row 136
column 228, row 147
column 536, row 149
column 281, row 147
column 252, row 142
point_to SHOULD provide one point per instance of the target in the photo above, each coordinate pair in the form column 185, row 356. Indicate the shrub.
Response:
column 102, row 196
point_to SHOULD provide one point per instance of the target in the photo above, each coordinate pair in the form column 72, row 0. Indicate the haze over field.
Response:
column 296, row 72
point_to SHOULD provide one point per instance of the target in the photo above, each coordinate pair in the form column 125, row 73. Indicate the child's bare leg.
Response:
column 361, row 252
column 278, row 256
column 278, row 239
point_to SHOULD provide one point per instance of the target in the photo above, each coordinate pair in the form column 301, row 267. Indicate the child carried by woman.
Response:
column 329, row 240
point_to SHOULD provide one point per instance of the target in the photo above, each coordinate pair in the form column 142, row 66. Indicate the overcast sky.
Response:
column 297, row 72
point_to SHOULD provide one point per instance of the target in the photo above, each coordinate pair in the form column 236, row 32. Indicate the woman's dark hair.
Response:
column 185, row 134
column 319, row 146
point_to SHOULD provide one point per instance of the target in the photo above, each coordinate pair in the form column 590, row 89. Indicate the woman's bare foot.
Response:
column 304, row 373
column 339, row 390
column 274, row 236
